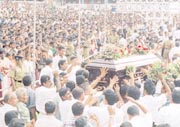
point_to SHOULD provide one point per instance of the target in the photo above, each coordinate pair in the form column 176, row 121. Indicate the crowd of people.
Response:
column 46, row 83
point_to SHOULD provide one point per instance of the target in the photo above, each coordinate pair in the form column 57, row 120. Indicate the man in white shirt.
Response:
column 138, row 121
column 107, row 112
column 10, row 100
column 49, row 119
column 133, row 92
column 149, row 99
column 66, row 104
column 47, row 70
column 77, row 110
column 75, row 63
column 135, row 118
column 170, row 114
column 44, row 93
column 60, row 55
column 78, row 94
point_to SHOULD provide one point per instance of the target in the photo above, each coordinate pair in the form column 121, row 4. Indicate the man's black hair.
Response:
column 50, row 107
column 44, row 79
column 77, row 92
column 134, row 92
column 133, row 110
column 149, row 87
column 63, row 91
column 110, row 96
column 80, row 79
column 77, row 109
column 9, row 116
column 27, row 80
column 71, row 85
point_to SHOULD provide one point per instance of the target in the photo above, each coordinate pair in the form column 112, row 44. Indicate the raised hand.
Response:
column 103, row 72
column 160, row 76
column 116, row 87
column 113, row 81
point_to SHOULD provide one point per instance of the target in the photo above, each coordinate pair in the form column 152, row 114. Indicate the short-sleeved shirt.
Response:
column 169, row 115
column 23, row 111
column 17, row 75
column 43, row 95
column 142, row 121
column 48, row 121
column 156, row 101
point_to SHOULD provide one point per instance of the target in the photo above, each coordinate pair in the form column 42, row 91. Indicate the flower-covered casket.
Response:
column 118, row 67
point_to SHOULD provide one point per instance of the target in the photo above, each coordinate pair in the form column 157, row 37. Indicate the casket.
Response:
column 117, row 67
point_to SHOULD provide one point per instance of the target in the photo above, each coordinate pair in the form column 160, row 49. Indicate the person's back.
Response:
column 126, row 124
column 133, row 92
column 10, row 115
column 149, row 99
column 77, row 110
column 16, row 123
column 170, row 113
column 49, row 119
column 103, row 112
column 138, row 120
column 82, row 121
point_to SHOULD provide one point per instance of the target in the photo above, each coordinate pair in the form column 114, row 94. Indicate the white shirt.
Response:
column 29, row 67
column 72, row 74
column 5, row 108
column 103, row 115
column 47, row 70
column 44, row 95
column 142, row 121
column 169, row 115
column 56, row 61
column 176, row 35
column 157, row 102
column 48, row 121
column 173, row 51
column 65, row 108
column 126, row 106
